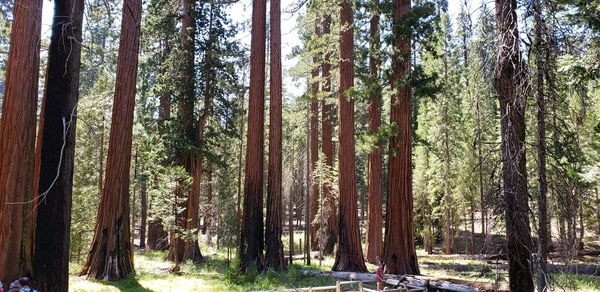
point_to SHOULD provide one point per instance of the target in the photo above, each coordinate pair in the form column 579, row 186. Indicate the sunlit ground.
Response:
column 152, row 274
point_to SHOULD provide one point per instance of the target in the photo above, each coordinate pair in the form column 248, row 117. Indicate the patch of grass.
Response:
column 575, row 282
column 213, row 274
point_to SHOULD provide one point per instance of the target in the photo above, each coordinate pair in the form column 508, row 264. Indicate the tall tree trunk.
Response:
column 328, row 200
column 541, row 145
column 349, row 255
column 17, row 147
column 53, row 226
column 111, row 253
column 314, row 150
column 252, row 240
column 375, row 222
column 144, row 211
column 509, row 83
column 274, row 248
column 399, row 248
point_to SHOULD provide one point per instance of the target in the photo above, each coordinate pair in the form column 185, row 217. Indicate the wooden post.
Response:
column 338, row 287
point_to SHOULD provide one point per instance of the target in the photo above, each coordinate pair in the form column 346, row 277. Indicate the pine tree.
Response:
column 510, row 86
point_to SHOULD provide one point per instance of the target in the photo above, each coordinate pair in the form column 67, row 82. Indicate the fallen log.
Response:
column 410, row 281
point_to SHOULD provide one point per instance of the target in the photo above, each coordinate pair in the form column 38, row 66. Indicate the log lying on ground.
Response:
column 430, row 284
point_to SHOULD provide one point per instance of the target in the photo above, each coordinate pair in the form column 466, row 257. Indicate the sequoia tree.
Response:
column 510, row 84
column 374, row 226
column 111, row 252
column 349, row 255
column 399, row 249
column 53, row 225
column 251, row 239
column 17, row 129
column 274, row 249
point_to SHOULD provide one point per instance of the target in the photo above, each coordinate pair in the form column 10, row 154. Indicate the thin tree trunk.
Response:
column 144, row 211
column 349, row 255
column 314, row 149
column 581, row 227
column 472, row 236
column 399, row 249
column 111, row 253
column 541, row 145
column 448, row 232
column 329, row 204
column 307, row 203
column 240, row 156
column 509, row 83
column 597, row 210
column 291, row 223
column 480, row 171
column 208, row 216
column 375, row 222
column 53, row 226
column 252, row 240
column 17, row 147
column 274, row 248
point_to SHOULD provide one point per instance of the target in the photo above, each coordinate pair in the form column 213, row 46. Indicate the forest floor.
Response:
column 152, row 274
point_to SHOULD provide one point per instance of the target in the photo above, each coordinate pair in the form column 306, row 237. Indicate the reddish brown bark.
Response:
column 349, row 255
column 57, row 148
column 274, row 248
column 375, row 222
column 17, row 146
column 399, row 249
column 314, row 151
column 252, row 240
column 111, row 253
column 329, row 205
column 509, row 82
